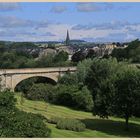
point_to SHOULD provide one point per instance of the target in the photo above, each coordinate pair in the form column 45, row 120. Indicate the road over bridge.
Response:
column 11, row 77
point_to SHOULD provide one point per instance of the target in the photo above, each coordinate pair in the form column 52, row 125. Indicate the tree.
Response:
column 61, row 57
column 99, row 81
column 2, row 46
column 27, row 49
column 132, row 52
column 45, row 61
column 51, row 45
column 91, row 54
column 83, row 68
column 115, row 88
column 27, row 125
column 78, row 56
column 25, row 85
column 119, row 53
column 41, row 92
column 127, row 97
column 65, row 95
column 83, row 99
column 68, row 79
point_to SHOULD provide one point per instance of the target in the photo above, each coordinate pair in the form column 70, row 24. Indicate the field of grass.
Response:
column 95, row 127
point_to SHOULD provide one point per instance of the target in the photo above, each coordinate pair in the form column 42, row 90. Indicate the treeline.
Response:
column 104, row 86
column 26, row 55
column 68, row 95
column 132, row 52
column 114, row 86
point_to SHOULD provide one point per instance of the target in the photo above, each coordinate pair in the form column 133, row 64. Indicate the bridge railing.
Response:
column 37, row 70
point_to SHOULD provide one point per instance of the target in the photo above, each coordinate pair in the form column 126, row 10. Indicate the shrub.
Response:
column 15, row 123
column 41, row 92
column 70, row 124
column 83, row 99
column 65, row 95
column 53, row 120
column 68, row 79
column 23, row 124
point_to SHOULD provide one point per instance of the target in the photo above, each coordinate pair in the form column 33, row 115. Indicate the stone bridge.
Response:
column 11, row 77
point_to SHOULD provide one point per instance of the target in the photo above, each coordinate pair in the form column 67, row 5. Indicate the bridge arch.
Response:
column 11, row 77
column 19, row 78
column 40, row 79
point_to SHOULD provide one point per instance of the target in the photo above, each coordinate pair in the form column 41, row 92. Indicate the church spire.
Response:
column 67, row 39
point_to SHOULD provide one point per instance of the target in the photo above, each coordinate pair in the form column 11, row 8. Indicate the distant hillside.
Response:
column 47, row 42
column 77, row 41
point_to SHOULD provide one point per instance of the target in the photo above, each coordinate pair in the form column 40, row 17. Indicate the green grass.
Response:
column 96, row 127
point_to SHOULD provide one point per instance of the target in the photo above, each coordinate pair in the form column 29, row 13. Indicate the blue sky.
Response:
column 89, row 21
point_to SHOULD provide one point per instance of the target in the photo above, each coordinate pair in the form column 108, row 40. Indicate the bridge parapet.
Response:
column 11, row 77
column 37, row 70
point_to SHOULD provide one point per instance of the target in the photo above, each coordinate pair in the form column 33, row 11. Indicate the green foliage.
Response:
column 78, row 56
column 14, row 60
column 77, row 78
column 65, row 95
column 53, row 120
column 15, row 123
column 68, row 79
column 41, row 92
column 132, row 52
column 23, row 54
column 127, row 98
column 119, row 53
column 26, row 49
column 51, row 45
column 83, row 99
column 74, row 96
column 25, row 85
column 82, row 69
column 91, row 54
column 7, row 100
column 69, row 95
column 23, row 124
column 95, row 127
column 61, row 57
column 45, row 61
column 70, row 124
column 115, row 88
column 102, row 75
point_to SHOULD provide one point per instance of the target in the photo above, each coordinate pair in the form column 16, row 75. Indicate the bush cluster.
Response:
column 15, row 123
column 66, row 95
column 70, row 124
column 53, row 120
column 67, row 123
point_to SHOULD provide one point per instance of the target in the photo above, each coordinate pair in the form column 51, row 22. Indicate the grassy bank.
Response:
column 96, row 127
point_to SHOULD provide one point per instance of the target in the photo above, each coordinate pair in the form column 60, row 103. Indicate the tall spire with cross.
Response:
column 67, row 39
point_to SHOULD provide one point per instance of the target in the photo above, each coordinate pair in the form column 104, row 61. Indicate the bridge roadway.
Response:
column 11, row 77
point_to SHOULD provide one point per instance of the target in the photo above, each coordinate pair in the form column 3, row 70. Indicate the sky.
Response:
column 49, row 21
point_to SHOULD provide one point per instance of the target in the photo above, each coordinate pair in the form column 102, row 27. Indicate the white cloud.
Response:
column 58, row 9
column 28, row 30
column 87, row 7
column 9, row 6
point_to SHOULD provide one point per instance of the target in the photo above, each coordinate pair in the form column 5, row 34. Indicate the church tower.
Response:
column 67, row 39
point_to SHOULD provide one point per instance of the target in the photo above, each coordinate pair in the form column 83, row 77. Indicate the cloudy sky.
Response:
column 89, row 21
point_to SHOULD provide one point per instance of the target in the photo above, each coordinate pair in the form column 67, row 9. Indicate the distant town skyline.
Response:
column 49, row 21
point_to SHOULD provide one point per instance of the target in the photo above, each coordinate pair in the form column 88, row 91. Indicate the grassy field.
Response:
column 95, row 127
